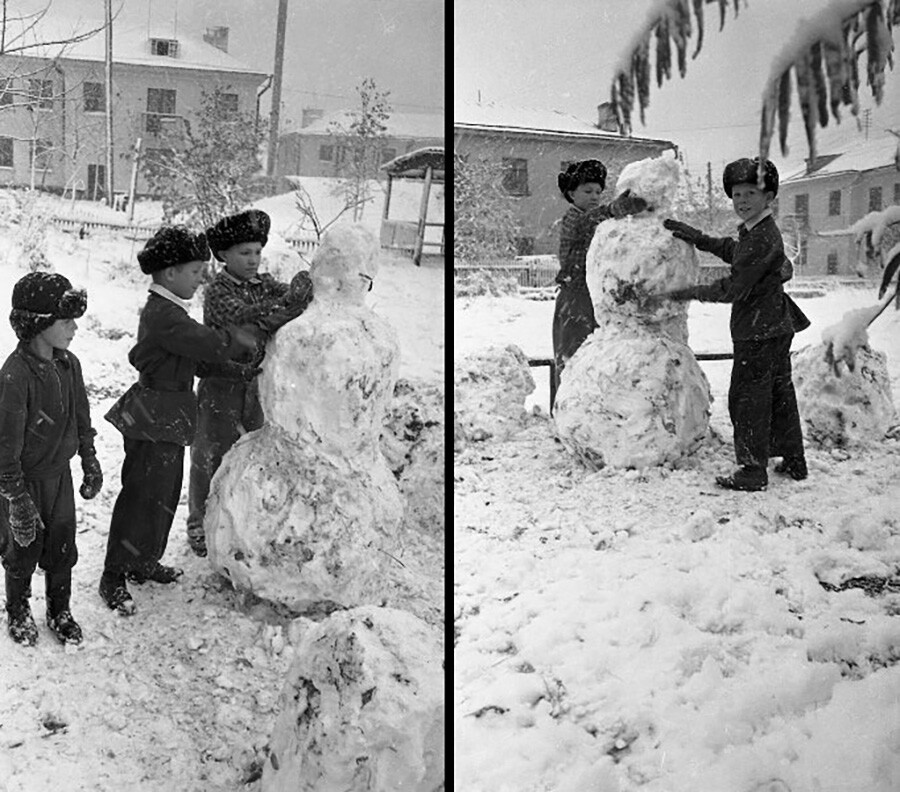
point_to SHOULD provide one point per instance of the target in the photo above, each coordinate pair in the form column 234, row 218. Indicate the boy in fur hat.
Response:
column 158, row 414
column 228, row 394
column 44, row 421
column 573, row 318
column 762, row 402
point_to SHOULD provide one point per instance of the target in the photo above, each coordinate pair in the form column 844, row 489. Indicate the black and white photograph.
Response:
column 676, row 386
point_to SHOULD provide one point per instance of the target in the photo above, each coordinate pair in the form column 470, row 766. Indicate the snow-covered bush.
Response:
column 484, row 282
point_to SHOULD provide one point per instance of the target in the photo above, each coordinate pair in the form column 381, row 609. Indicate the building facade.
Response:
column 53, row 105
column 314, row 150
column 818, row 202
column 534, row 146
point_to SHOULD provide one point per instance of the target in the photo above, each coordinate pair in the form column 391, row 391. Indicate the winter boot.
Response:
column 115, row 593
column 158, row 573
column 795, row 467
column 747, row 479
column 22, row 628
column 59, row 617
column 197, row 540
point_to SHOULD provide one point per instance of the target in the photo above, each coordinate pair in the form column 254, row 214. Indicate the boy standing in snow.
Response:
column 573, row 317
column 158, row 415
column 44, row 421
column 762, row 403
column 228, row 394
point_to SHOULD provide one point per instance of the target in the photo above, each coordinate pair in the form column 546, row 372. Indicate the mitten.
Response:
column 24, row 520
column 683, row 231
column 93, row 477
column 301, row 287
column 628, row 204
column 248, row 373
column 678, row 294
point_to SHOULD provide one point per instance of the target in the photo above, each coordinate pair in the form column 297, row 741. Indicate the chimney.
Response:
column 218, row 37
column 311, row 114
column 606, row 118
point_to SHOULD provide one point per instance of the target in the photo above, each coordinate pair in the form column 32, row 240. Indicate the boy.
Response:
column 762, row 403
column 158, row 415
column 44, row 420
column 228, row 394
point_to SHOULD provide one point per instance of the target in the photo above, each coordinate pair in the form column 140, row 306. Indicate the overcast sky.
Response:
column 562, row 55
column 331, row 44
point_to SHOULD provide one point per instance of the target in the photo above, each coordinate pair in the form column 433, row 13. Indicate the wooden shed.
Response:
column 425, row 165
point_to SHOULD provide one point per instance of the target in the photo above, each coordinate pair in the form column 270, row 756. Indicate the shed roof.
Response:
column 413, row 164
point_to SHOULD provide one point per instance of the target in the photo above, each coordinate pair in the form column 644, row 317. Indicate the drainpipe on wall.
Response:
column 62, row 79
column 259, row 93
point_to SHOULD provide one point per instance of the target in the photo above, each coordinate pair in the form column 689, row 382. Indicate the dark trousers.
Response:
column 573, row 322
column 762, row 402
column 53, row 548
column 226, row 410
column 145, row 507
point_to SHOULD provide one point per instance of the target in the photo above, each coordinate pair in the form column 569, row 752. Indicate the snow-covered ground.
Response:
column 625, row 630
column 182, row 696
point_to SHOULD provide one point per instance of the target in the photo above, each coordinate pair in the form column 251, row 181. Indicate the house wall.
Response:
column 541, row 207
column 79, row 137
column 854, row 188
column 299, row 154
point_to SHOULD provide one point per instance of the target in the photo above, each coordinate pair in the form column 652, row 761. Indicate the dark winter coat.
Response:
column 760, row 308
column 162, row 406
column 44, row 417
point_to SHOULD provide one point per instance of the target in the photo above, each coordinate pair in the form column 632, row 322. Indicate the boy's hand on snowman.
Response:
column 93, row 477
column 24, row 520
column 683, row 231
column 629, row 204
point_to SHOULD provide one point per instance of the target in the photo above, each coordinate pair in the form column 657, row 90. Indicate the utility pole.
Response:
column 276, row 87
column 709, row 192
column 109, row 107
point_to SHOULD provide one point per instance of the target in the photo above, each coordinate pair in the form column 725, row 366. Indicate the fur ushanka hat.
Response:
column 250, row 226
column 583, row 172
column 746, row 171
column 41, row 298
column 171, row 246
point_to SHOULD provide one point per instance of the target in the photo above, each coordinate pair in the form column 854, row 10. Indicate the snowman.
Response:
column 305, row 511
column 633, row 395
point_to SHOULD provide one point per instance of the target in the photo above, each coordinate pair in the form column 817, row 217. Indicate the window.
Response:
column 515, row 176
column 524, row 246
column 40, row 94
column 803, row 255
column 897, row 192
column 161, row 100
column 166, row 47
column 41, row 151
column 801, row 207
column 6, row 87
column 6, row 152
column 227, row 104
column 834, row 203
column 326, row 153
column 874, row 199
column 94, row 97
column 832, row 263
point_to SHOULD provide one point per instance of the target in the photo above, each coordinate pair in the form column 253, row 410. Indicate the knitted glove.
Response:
column 93, row 477
column 24, row 520
column 678, row 294
column 683, row 231
column 628, row 204
column 301, row 287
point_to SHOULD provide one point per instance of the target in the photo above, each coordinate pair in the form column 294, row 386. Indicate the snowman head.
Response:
column 655, row 179
column 345, row 264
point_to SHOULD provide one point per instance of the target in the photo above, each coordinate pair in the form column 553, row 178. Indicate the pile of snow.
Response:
column 362, row 707
column 489, row 392
column 634, row 395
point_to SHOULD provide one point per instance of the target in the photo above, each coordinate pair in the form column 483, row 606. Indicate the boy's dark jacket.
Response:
column 44, row 417
column 760, row 308
column 162, row 405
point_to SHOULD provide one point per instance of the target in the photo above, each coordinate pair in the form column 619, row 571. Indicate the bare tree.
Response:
column 824, row 63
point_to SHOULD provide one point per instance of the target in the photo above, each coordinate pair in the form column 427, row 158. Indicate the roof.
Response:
column 527, row 120
column 402, row 125
column 851, row 151
column 415, row 163
column 131, row 45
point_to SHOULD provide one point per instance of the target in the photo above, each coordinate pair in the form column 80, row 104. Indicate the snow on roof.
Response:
column 489, row 115
column 851, row 151
column 131, row 45
column 417, row 160
column 406, row 125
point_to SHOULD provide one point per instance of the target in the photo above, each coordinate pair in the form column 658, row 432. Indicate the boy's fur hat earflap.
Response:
column 582, row 172
column 250, row 226
column 171, row 246
column 39, row 299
